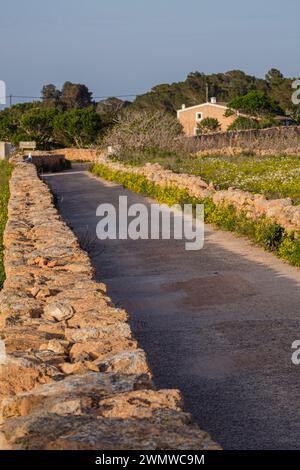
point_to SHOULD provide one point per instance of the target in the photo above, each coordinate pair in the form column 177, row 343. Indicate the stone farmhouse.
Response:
column 192, row 116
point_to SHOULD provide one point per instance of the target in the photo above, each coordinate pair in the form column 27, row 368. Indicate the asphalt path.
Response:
column 217, row 324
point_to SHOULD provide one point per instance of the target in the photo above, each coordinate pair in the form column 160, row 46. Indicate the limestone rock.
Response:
column 132, row 362
column 81, row 335
column 101, row 349
column 58, row 311
column 167, row 431
column 56, row 346
column 139, row 404
column 93, row 385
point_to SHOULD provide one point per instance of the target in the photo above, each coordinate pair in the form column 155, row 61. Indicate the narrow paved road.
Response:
column 218, row 324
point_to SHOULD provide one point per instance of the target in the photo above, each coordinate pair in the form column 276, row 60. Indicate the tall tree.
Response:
column 37, row 124
column 50, row 96
column 78, row 127
column 280, row 89
column 255, row 103
column 111, row 105
column 75, row 96
column 274, row 77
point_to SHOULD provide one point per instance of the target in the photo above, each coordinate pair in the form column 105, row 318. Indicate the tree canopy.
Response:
column 255, row 103
column 224, row 86
column 72, row 95
column 77, row 127
column 70, row 116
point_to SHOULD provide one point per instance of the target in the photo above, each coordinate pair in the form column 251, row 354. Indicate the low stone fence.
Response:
column 85, row 155
column 265, row 141
column 45, row 161
column 73, row 376
column 281, row 211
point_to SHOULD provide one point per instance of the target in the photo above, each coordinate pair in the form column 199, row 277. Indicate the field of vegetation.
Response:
column 273, row 176
column 262, row 231
column 5, row 172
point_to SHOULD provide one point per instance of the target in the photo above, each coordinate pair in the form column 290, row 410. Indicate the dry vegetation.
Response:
column 140, row 137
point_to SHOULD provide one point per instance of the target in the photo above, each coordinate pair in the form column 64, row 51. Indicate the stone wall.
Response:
column 261, row 141
column 73, row 376
column 47, row 161
column 281, row 211
column 85, row 155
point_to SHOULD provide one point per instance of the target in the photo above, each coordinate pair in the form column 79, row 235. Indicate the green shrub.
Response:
column 5, row 172
column 289, row 250
column 268, row 235
column 242, row 123
column 208, row 125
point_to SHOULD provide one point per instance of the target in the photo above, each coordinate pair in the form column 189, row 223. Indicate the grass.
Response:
column 5, row 172
column 263, row 232
column 274, row 176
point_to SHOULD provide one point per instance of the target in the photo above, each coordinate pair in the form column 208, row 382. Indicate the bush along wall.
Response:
column 262, row 230
column 5, row 172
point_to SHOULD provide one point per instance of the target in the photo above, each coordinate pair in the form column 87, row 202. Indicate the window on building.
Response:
column 197, row 131
column 198, row 116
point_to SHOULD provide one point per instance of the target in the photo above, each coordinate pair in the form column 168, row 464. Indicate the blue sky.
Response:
column 127, row 46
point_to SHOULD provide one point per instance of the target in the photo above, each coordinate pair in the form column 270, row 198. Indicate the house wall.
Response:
column 188, row 120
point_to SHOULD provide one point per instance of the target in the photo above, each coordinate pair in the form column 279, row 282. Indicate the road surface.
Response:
column 217, row 324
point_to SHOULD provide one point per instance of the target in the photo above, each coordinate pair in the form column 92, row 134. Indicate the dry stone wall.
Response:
column 73, row 376
column 85, row 155
column 261, row 141
column 45, row 161
column 281, row 211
